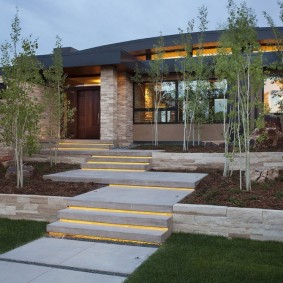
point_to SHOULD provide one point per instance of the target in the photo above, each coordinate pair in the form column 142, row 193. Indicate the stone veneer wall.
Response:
column 234, row 222
column 178, row 161
column 6, row 152
column 124, row 110
column 31, row 207
column 108, row 104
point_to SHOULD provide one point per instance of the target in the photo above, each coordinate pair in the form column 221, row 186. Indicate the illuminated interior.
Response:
column 209, row 49
column 83, row 81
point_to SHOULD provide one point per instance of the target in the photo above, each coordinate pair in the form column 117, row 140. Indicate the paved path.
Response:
column 74, row 261
column 60, row 260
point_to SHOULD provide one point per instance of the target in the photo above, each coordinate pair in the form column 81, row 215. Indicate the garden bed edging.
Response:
column 233, row 222
column 31, row 207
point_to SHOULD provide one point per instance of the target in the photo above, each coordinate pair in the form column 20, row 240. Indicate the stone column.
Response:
column 125, row 110
column 108, row 104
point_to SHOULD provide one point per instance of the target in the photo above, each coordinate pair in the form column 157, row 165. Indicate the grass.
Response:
column 14, row 233
column 199, row 258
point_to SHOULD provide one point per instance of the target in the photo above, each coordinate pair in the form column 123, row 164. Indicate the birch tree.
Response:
column 240, row 62
column 57, row 106
column 157, row 72
column 20, row 111
column 194, row 80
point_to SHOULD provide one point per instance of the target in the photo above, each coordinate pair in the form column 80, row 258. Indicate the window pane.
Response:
column 220, row 105
column 143, row 117
column 148, row 93
column 273, row 95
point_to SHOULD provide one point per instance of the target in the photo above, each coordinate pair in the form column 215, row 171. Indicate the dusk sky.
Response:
column 87, row 23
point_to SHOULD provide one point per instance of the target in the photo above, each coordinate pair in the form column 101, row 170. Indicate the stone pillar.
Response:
column 108, row 104
column 124, row 110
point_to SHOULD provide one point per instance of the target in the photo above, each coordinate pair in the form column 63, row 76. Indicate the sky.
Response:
column 84, row 24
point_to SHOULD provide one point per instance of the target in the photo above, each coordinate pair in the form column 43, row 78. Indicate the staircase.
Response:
column 71, row 147
column 136, row 214
column 119, row 160
column 137, row 209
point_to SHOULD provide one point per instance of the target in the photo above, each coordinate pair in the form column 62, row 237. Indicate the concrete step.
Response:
column 119, row 158
column 128, row 217
column 86, row 146
column 78, row 151
column 86, row 141
column 161, row 179
column 115, row 165
column 131, row 198
column 110, row 231
column 124, row 153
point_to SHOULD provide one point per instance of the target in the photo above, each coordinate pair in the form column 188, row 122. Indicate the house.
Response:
column 111, row 107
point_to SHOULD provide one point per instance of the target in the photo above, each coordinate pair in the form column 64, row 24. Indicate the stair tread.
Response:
column 97, row 227
column 116, row 214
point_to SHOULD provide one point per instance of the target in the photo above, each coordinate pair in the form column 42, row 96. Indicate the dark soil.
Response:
column 36, row 185
column 201, row 149
column 213, row 189
column 218, row 190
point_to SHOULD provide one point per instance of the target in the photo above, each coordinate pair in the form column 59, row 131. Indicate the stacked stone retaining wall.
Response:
column 234, row 222
column 31, row 207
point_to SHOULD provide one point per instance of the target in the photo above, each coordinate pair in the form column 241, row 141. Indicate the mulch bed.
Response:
column 218, row 190
column 36, row 185
column 201, row 149
column 213, row 189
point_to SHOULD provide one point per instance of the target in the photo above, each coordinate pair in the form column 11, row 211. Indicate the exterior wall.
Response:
column 108, row 104
column 31, row 207
column 124, row 110
column 179, row 161
column 249, row 223
column 174, row 132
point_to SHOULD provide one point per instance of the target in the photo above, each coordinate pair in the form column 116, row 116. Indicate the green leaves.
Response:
column 20, row 110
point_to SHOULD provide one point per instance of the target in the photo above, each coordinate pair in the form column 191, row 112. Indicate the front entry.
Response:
column 86, row 124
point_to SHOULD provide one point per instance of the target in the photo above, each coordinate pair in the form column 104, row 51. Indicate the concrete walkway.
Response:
column 60, row 260
column 137, row 207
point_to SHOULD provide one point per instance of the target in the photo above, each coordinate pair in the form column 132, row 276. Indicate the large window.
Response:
column 149, row 97
column 273, row 95
column 170, row 96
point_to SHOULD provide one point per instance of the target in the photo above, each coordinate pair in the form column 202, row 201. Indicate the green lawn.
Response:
column 198, row 258
column 14, row 233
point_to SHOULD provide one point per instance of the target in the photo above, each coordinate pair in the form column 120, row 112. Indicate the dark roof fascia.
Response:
column 79, row 59
column 148, row 43
column 172, row 64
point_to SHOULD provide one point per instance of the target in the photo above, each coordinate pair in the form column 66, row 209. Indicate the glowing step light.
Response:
column 151, row 187
column 96, row 238
column 113, row 225
column 112, row 169
column 74, row 143
column 120, row 211
column 119, row 156
column 114, row 162
column 81, row 148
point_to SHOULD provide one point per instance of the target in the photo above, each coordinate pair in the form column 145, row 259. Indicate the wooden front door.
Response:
column 86, row 124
